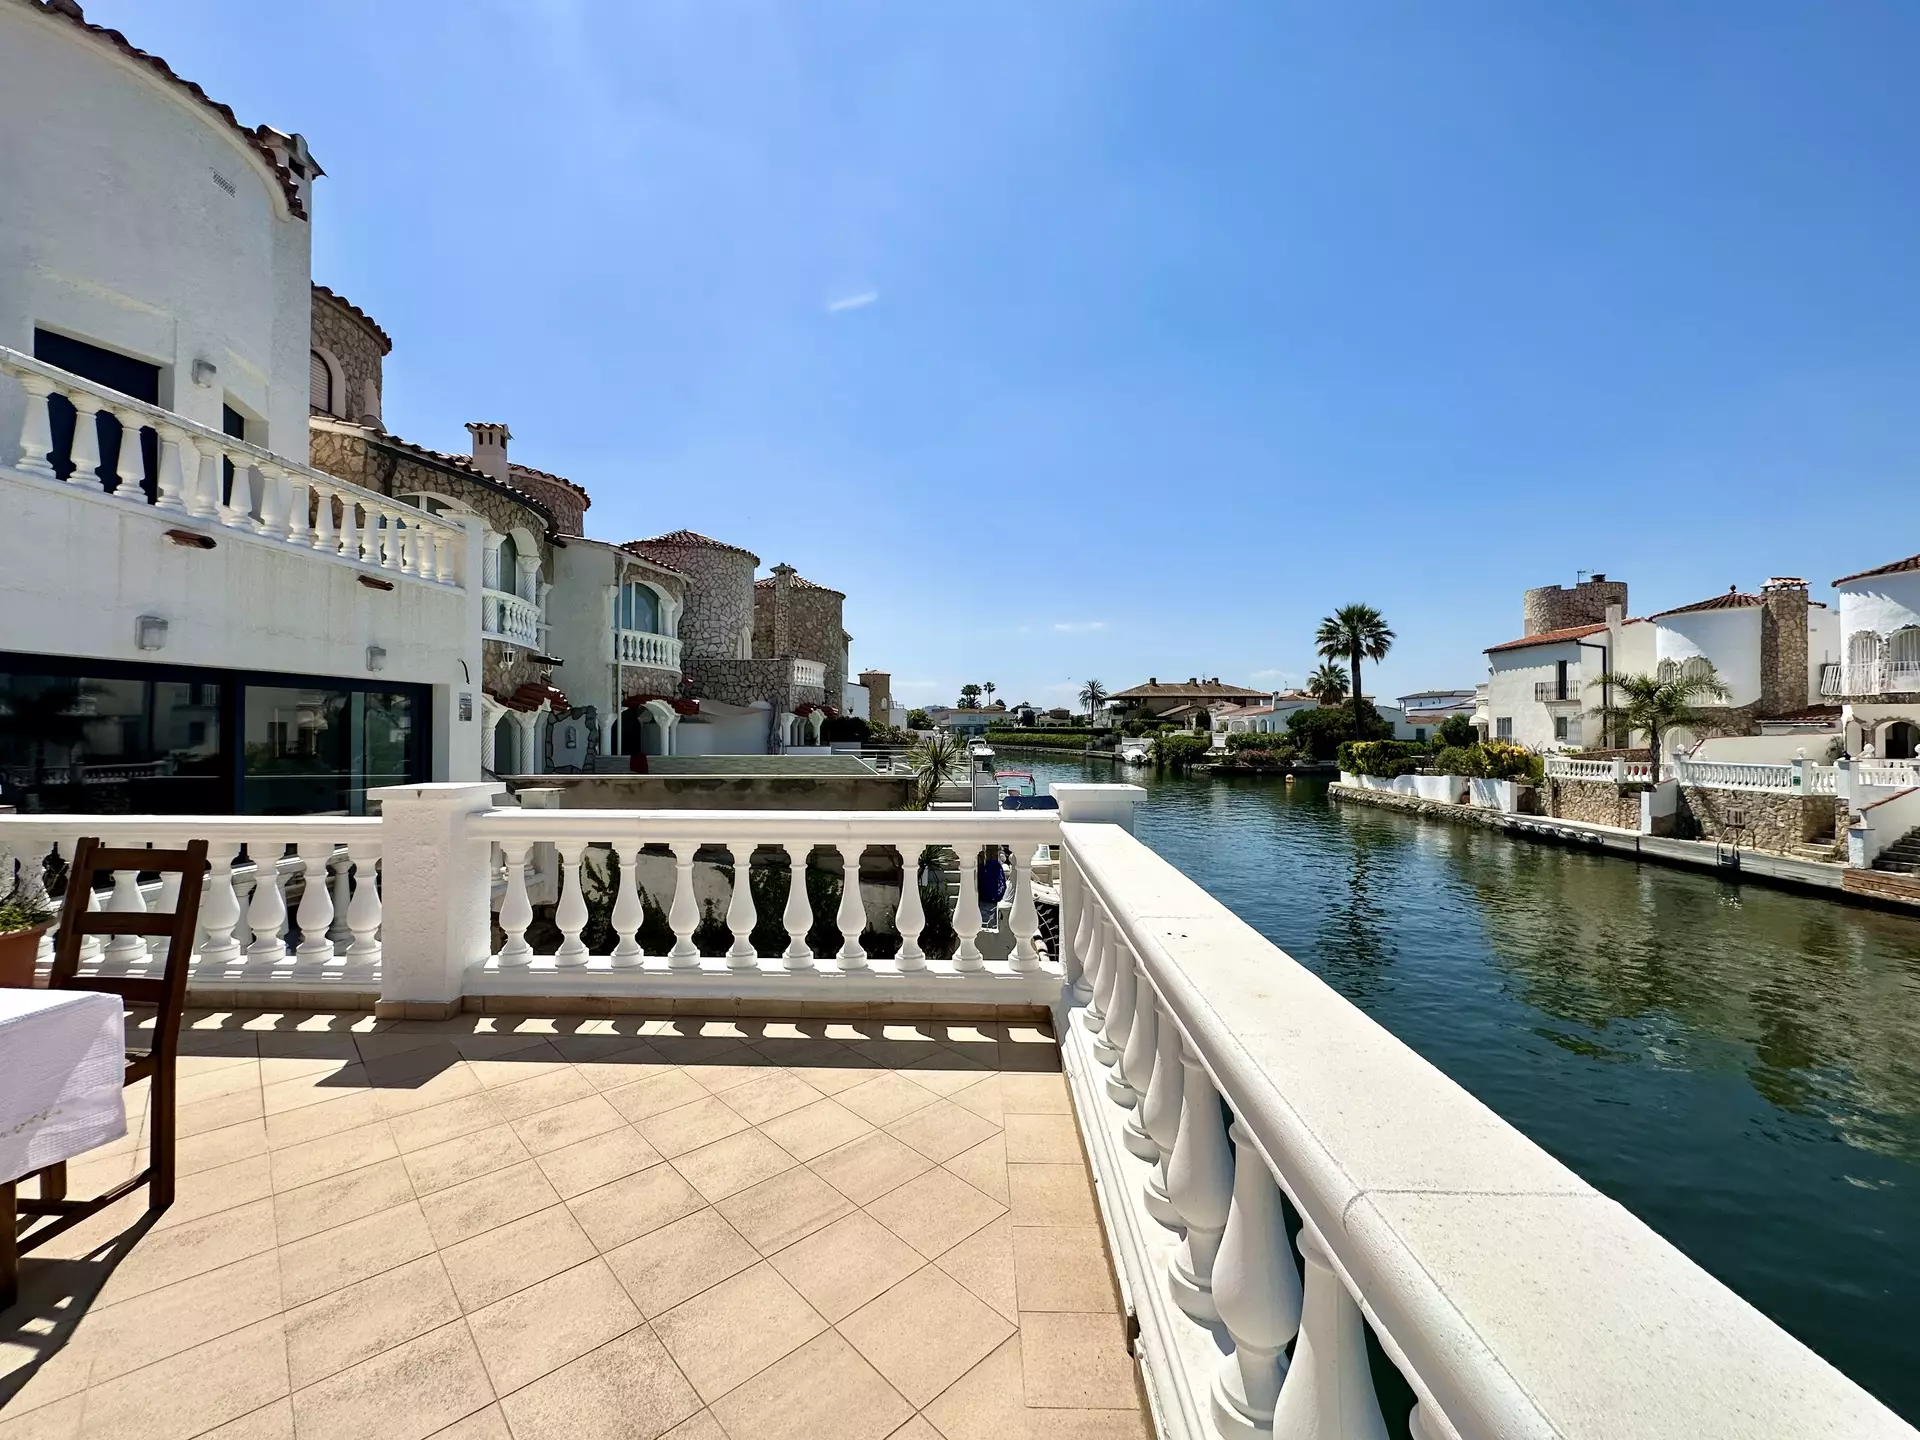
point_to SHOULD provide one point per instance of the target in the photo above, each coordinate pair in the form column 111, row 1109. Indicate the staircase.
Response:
column 1903, row 856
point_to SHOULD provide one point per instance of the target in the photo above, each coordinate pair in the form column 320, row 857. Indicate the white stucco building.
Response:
column 1878, row 676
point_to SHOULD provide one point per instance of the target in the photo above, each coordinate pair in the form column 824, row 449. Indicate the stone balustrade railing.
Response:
column 250, row 936
column 1280, row 1178
column 1890, row 773
column 1621, row 772
column 509, row 618
column 1795, row 777
column 643, row 647
column 811, row 672
column 269, row 495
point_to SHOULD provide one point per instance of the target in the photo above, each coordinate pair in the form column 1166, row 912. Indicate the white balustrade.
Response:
column 810, row 673
column 298, row 504
column 643, row 647
column 1741, row 775
column 509, row 618
column 1897, row 773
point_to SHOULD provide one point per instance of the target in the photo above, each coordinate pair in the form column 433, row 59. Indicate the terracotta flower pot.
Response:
column 18, row 950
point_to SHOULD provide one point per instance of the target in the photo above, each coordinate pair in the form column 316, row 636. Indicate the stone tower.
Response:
column 1556, row 607
column 1783, row 645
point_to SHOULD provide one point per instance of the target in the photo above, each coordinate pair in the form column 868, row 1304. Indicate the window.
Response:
column 509, row 566
column 1419, row 732
column 1698, row 667
column 319, row 383
column 1904, row 652
column 1666, row 672
column 639, row 608
column 131, row 377
column 91, row 744
column 233, row 423
column 1503, row 728
column 1567, row 728
column 316, row 750
column 1559, row 679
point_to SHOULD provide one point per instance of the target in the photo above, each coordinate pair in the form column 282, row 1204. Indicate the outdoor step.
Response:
column 1897, row 867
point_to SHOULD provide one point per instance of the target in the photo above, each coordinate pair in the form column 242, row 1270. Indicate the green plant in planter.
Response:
column 24, row 907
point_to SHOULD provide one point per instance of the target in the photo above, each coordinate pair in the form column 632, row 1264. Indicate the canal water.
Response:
column 1738, row 1066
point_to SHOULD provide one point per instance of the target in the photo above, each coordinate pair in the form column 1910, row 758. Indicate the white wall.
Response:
column 1510, row 691
column 114, row 231
column 1728, row 638
column 580, row 624
column 854, row 700
column 1881, row 603
column 1764, row 749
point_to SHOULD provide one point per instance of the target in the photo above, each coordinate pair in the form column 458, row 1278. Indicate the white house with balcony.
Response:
column 614, row 620
column 1878, row 679
column 192, row 618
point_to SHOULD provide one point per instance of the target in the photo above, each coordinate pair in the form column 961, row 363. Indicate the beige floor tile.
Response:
column 925, row 1333
column 941, row 1130
column 208, row 1192
column 701, row 1427
column 192, row 1391
column 777, row 1212
column 425, row 1092
column 163, row 1322
column 539, row 1329
column 674, row 1132
column 211, row 1150
column 769, row 1093
column 334, row 1258
column 1076, row 1361
column 865, row 1169
column 983, row 1263
column 732, row 1332
column 361, row 1320
column 628, row 1389
column 588, row 1164
column 487, row 1424
column 225, row 1077
column 986, row 1403
column 842, row 1267
column 1051, row 1195
column 307, row 1082
column 886, row 1098
column 708, row 1049
column 814, row 1128
column 341, row 1110
column 824, row 1388
column 419, row 1129
column 462, row 1211
column 1042, row 1139
column 567, row 1124
column 541, row 1089
column 907, row 1046
column 352, row 1196
column 1052, row 1424
column 59, row 1420
column 634, row 1206
column 406, row 1393
column 624, row 1067
column 934, row 1212
column 1063, row 1267
column 948, row 1074
column 987, row 1099
column 985, row 1168
column 404, row 1064
column 679, row 1260
column 218, row 1112
column 269, row 1422
column 439, row 1167
column 299, row 1165
column 595, row 1047
column 915, row 1429
column 522, row 1065
column 1026, row 1094
column 729, row 1166
column 166, row 1257
column 655, row 1095
column 741, row 1067
column 494, row 1264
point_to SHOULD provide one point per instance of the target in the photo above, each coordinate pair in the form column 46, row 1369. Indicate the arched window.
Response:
column 509, row 565
column 319, row 383
column 639, row 608
column 1863, row 663
column 1666, row 672
column 1903, row 650
column 1698, row 667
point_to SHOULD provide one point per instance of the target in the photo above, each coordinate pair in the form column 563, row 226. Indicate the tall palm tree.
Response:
column 1646, row 702
column 988, row 690
column 1328, row 684
column 1354, row 633
column 1093, row 695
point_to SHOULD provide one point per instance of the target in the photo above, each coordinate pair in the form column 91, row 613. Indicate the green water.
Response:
column 1736, row 1065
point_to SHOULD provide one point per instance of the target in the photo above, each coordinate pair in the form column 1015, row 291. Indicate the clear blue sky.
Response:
column 1120, row 339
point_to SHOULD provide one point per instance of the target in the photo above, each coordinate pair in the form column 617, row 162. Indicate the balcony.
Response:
column 643, row 647
column 270, row 498
column 1877, row 677
column 771, row 1152
column 810, row 674
column 509, row 619
column 1551, row 692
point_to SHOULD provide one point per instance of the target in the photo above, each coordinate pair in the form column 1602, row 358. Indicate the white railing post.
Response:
column 1257, row 1291
column 797, row 917
column 1073, row 972
column 85, row 454
column 1023, row 918
column 436, row 878
column 315, row 915
column 36, row 430
column 1329, row 1387
column 629, row 913
column 966, row 911
column 740, row 912
column 129, row 468
column 126, row 899
column 1160, row 1117
column 570, row 915
column 684, row 914
column 1137, row 1064
column 340, row 878
column 1119, row 1026
column 1099, row 968
column 1106, row 987
column 169, row 481
column 910, row 916
column 364, row 908
column 219, row 905
column 516, row 907
column 852, row 916
column 267, row 914
column 1200, row 1183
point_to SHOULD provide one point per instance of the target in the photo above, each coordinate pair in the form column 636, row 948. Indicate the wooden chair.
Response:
column 156, row 1061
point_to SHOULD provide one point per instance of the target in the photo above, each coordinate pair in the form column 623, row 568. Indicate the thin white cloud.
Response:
column 1078, row 627
column 852, row 302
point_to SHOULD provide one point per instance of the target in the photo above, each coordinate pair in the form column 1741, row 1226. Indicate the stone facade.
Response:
column 1783, row 647
column 1771, row 822
column 1556, row 607
column 718, row 620
column 568, row 502
column 347, row 334
column 879, row 686
column 795, row 617
column 741, row 682
column 1598, row 802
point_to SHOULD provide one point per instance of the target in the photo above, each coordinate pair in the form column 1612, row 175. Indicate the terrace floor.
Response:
column 575, row 1227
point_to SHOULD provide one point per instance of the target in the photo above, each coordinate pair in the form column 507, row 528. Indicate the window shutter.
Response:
column 319, row 384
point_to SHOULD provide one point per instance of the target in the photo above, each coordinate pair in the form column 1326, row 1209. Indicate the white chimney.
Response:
column 490, row 448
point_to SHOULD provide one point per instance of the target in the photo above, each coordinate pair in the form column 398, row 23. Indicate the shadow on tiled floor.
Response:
column 515, row 1226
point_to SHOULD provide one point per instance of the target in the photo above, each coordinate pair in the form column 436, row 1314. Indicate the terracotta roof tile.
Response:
column 1732, row 600
column 1547, row 637
column 1898, row 567
column 462, row 464
column 691, row 538
column 799, row 582
column 289, row 186
column 530, row 696
column 386, row 343
column 1193, row 690
column 514, row 467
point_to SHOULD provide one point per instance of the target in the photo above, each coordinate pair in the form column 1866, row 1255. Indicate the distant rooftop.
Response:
column 756, row 765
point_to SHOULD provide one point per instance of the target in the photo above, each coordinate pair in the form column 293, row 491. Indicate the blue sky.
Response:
column 1115, row 339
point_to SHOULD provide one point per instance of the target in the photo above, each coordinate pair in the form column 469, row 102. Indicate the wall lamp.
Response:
column 150, row 632
column 376, row 657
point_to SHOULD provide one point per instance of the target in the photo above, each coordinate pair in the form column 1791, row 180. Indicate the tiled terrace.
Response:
column 515, row 1226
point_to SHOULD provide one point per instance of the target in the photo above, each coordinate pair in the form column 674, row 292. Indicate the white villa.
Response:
column 1878, row 680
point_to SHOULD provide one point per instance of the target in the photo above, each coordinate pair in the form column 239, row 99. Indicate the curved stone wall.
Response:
column 1556, row 607
column 718, row 622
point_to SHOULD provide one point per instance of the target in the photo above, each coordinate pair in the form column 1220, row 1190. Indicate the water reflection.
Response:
column 1738, row 1066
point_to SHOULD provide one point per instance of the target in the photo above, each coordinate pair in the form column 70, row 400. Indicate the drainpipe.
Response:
column 1606, row 685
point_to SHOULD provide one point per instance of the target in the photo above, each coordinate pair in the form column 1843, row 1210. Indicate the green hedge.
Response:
column 1384, row 758
column 1042, row 739
column 1257, row 740
column 1180, row 749
column 1495, row 760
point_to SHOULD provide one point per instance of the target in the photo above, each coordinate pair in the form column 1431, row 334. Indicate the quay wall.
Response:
column 1598, row 802
column 1769, row 822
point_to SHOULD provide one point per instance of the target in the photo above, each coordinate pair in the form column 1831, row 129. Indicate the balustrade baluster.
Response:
column 267, row 916
column 1160, row 1116
column 1257, row 1292
column 323, row 540
column 443, row 558
column 349, row 528
column 966, row 911
column 628, row 911
column 1113, row 955
column 684, row 914
column 740, row 912
column 1424, row 1423
column 1138, row 1062
column 570, row 915
column 340, row 880
column 219, row 905
column 129, row 465
column 1329, row 1384
column 1200, row 1183
column 1099, row 969
column 85, row 454
column 1073, row 919
column 516, row 911
column 798, row 916
column 363, row 911
column 125, row 950
column 36, row 430
column 852, row 917
column 910, row 916
column 390, row 558
column 213, row 501
column 273, row 501
column 169, row 481
column 315, row 915
column 1120, row 1020
column 1024, row 919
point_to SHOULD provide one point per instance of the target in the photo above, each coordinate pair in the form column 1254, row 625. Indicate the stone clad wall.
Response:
column 568, row 505
column 812, row 628
column 719, row 599
column 1555, row 607
column 1773, row 822
column 358, row 347
column 1598, row 802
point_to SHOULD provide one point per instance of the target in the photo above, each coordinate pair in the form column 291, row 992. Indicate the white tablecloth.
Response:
column 62, row 1064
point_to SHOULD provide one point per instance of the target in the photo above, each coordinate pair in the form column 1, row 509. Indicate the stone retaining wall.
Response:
column 1771, row 822
column 1598, row 802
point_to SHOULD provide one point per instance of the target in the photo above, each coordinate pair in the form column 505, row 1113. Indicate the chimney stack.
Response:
column 490, row 448
column 1784, row 682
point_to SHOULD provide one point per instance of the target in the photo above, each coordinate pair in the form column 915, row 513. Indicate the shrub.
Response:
column 1320, row 733
column 1179, row 749
column 1041, row 739
column 1256, row 740
column 1385, row 758
column 1278, row 757
column 919, row 720
column 1456, row 760
column 844, row 729
column 1495, row 760
column 1455, row 732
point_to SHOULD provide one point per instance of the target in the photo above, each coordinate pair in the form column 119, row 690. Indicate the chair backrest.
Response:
column 168, row 994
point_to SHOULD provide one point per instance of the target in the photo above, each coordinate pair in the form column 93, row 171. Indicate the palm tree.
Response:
column 1354, row 632
column 1093, row 695
column 988, row 689
column 1649, row 703
column 1328, row 684
column 969, row 696
column 937, row 761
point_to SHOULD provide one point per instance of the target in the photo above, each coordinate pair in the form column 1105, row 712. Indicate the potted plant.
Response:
column 24, row 917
